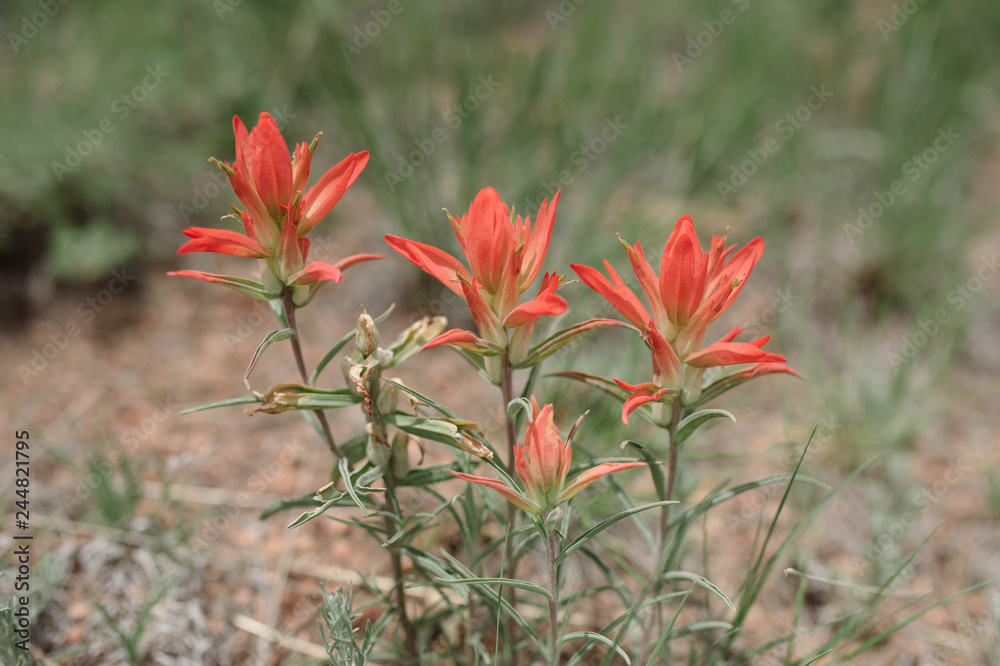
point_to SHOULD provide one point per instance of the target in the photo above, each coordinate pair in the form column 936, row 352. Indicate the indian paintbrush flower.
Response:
column 505, row 254
column 542, row 462
column 692, row 290
column 279, row 212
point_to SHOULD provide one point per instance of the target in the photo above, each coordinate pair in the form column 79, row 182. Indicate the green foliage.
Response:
column 116, row 489
column 340, row 636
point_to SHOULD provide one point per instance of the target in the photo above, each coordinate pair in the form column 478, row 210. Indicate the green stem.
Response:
column 396, row 559
column 300, row 362
column 675, row 419
column 507, row 389
column 661, row 558
column 554, row 601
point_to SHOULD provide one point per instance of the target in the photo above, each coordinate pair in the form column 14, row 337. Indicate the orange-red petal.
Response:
column 222, row 241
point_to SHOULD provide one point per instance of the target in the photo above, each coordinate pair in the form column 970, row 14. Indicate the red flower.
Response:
column 542, row 463
column 505, row 254
column 279, row 212
column 692, row 290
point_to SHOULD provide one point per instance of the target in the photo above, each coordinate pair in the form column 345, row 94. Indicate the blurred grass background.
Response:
column 450, row 98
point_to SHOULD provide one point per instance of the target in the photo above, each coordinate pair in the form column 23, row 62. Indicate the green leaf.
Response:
column 426, row 476
column 246, row 400
column 330, row 355
column 354, row 486
column 423, row 399
column 315, row 513
column 659, row 481
column 340, row 345
column 278, row 307
column 597, row 381
column 600, row 638
column 269, row 339
column 289, row 503
column 516, row 405
column 698, row 580
column 605, row 524
column 283, row 397
column 438, row 430
column 505, row 582
column 560, row 339
column 692, row 422
column 248, row 287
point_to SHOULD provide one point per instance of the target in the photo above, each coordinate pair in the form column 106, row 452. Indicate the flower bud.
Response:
column 366, row 336
column 400, row 455
column 384, row 357
column 378, row 452
column 388, row 398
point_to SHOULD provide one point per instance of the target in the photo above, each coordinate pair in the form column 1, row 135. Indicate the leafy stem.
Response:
column 289, row 305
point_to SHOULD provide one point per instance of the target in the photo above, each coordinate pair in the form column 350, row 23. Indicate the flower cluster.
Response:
column 505, row 254
column 691, row 291
column 279, row 212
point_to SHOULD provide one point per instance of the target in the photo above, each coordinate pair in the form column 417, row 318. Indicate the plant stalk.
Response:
column 300, row 362
column 675, row 419
column 507, row 389
column 396, row 559
column 554, row 601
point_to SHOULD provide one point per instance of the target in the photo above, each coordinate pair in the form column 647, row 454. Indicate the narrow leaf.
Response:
column 283, row 397
column 506, row 582
column 699, row 580
column 560, row 339
column 269, row 339
column 687, row 427
column 605, row 524
column 246, row 400
column 592, row 636
column 654, row 467
column 288, row 503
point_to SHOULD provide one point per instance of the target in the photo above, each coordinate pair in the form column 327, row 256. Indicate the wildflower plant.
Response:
column 486, row 606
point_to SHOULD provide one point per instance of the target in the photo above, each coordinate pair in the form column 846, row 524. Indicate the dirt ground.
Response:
column 119, row 376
